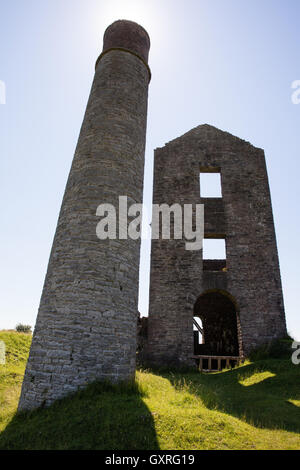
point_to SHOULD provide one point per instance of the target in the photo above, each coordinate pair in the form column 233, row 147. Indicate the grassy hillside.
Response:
column 255, row 406
column 11, row 374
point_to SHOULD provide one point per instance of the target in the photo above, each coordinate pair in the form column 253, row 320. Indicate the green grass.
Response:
column 254, row 406
column 11, row 374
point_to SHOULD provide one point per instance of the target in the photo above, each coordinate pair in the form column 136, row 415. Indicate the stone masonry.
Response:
column 86, row 323
column 181, row 284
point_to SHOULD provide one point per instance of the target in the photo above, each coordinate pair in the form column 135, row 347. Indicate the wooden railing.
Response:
column 236, row 360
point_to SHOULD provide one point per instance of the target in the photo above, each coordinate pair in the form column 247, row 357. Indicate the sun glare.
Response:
column 150, row 15
column 139, row 11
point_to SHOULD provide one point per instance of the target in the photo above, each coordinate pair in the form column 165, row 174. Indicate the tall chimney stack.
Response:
column 86, row 324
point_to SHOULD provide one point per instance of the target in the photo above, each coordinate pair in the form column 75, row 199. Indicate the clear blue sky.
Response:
column 229, row 63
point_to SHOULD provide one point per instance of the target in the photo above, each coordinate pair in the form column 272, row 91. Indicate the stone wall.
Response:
column 243, row 216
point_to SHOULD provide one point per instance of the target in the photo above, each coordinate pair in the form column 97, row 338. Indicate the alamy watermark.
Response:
column 2, row 353
column 296, row 94
column 187, row 222
column 296, row 354
column 2, row 92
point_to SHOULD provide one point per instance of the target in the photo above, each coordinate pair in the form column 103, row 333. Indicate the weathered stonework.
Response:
column 250, row 276
column 86, row 325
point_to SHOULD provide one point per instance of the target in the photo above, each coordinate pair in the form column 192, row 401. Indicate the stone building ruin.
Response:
column 87, row 320
column 239, row 299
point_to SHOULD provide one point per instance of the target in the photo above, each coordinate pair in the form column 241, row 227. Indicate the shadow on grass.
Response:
column 102, row 416
column 264, row 400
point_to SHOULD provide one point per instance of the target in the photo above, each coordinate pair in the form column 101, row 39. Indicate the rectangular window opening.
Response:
column 210, row 184
column 214, row 254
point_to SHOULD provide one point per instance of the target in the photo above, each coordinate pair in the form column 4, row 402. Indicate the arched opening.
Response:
column 219, row 328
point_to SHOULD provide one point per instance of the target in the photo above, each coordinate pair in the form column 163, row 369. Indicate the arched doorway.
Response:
column 219, row 330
